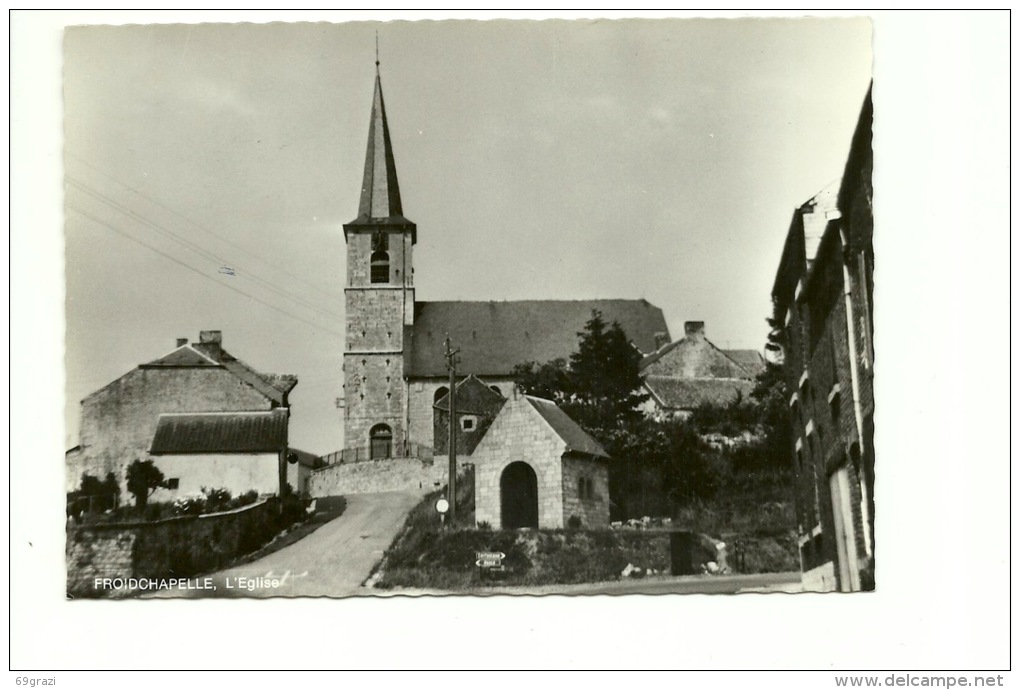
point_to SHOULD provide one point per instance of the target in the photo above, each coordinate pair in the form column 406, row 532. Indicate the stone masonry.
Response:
column 592, row 509
column 119, row 420
column 520, row 434
column 375, row 476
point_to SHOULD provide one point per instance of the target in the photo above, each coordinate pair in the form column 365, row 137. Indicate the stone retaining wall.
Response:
column 177, row 547
column 375, row 476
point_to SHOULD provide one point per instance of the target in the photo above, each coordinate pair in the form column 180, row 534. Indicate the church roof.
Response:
column 494, row 337
column 576, row 438
column 380, row 192
column 218, row 432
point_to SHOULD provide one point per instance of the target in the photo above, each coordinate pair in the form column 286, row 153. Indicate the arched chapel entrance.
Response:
column 518, row 493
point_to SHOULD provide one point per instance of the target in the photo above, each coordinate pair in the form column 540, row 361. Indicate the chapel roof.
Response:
column 577, row 439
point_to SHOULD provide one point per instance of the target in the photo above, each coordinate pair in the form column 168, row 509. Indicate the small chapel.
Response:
column 395, row 371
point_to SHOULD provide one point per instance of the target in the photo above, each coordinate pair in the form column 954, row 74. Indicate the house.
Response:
column 681, row 376
column 476, row 406
column 823, row 296
column 236, row 451
column 394, row 364
column 214, row 396
column 535, row 467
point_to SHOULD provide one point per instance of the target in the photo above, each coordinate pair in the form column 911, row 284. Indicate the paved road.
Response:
column 331, row 561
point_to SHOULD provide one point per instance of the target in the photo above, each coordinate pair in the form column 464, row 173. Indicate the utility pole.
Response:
column 451, row 365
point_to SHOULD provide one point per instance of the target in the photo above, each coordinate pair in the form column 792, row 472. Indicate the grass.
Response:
column 427, row 555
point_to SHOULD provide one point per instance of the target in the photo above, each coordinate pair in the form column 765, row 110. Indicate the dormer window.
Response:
column 380, row 267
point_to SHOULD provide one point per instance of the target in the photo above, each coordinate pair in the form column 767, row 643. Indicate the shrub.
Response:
column 189, row 505
column 215, row 500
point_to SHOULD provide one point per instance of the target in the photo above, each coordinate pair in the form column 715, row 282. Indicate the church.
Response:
column 394, row 364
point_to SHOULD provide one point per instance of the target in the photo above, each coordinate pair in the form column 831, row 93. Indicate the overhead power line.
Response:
column 198, row 225
column 177, row 261
column 193, row 246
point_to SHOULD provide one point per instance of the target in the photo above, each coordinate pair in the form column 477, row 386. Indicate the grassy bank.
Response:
column 426, row 555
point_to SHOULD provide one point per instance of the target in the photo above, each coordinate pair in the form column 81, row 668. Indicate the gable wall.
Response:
column 519, row 433
column 119, row 421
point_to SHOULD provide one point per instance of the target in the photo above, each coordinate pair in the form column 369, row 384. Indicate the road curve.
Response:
column 332, row 561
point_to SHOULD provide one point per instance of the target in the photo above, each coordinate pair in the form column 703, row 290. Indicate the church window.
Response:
column 380, row 267
column 381, row 437
column 440, row 392
column 173, row 483
column 496, row 389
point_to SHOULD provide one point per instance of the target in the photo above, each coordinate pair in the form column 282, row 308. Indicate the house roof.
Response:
column 752, row 360
column 494, row 337
column 219, row 432
column 473, row 397
column 677, row 393
column 211, row 354
column 576, row 438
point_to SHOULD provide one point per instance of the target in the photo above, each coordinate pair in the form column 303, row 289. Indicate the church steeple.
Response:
column 380, row 192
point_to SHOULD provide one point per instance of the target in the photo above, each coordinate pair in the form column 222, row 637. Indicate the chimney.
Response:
column 661, row 339
column 181, row 342
column 694, row 329
column 211, row 337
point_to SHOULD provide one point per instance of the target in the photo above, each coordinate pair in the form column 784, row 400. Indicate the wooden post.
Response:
column 451, row 365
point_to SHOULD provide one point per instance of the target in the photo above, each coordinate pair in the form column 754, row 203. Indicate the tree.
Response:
column 143, row 478
column 550, row 380
column 605, row 375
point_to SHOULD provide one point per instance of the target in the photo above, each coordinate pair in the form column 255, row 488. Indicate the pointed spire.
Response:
column 380, row 193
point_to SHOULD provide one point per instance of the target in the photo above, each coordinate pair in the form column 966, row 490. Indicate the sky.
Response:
column 209, row 169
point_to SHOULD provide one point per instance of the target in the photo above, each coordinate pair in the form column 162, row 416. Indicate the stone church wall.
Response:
column 376, row 476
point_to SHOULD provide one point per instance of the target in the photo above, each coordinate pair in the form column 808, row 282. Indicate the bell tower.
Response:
column 379, row 297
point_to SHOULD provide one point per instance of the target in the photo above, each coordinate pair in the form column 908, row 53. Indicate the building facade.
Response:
column 536, row 468
column 120, row 420
column 823, row 296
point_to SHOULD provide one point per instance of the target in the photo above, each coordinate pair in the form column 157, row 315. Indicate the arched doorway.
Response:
column 518, row 494
column 381, row 442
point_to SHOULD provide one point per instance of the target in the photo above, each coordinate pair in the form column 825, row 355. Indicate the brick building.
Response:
column 394, row 366
column 692, row 371
column 823, row 297
column 119, row 422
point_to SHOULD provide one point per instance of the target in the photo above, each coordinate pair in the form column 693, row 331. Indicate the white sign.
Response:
column 442, row 505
